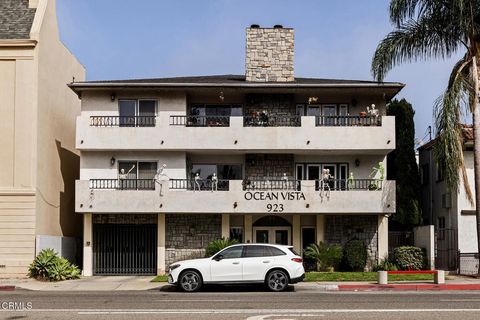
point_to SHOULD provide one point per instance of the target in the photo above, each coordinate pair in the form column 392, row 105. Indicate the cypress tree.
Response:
column 402, row 167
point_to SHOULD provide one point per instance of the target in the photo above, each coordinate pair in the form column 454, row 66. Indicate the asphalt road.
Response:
column 242, row 303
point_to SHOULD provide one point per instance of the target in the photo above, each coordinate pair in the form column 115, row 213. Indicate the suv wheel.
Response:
column 190, row 281
column 277, row 280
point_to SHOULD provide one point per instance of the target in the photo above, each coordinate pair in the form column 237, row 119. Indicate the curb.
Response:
column 7, row 288
column 411, row 287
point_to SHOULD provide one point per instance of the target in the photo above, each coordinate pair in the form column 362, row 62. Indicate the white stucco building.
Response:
column 267, row 136
column 450, row 212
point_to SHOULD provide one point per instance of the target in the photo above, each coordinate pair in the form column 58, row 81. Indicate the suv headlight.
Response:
column 173, row 267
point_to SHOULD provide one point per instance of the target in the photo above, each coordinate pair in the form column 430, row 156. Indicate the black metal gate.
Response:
column 124, row 249
column 446, row 249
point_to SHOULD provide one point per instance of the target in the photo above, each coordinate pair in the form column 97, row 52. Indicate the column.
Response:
column 320, row 228
column 382, row 236
column 87, row 245
column 225, row 226
column 161, row 244
column 296, row 234
column 248, row 228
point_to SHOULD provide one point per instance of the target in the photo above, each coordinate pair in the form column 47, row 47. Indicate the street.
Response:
column 243, row 303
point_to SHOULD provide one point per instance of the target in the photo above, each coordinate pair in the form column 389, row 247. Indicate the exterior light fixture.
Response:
column 113, row 96
column 112, row 161
column 235, row 204
column 388, row 142
column 312, row 100
column 357, row 162
column 221, row 96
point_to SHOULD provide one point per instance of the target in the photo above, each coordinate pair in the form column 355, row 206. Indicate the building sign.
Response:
column 274, row 196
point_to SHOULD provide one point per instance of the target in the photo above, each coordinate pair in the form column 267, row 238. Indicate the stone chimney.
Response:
column 269, row 56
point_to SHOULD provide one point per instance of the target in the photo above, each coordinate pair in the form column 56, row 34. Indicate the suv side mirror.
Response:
column 218, row 257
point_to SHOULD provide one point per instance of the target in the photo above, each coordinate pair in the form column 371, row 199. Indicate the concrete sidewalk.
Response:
column 97, row 283
column 135, row 283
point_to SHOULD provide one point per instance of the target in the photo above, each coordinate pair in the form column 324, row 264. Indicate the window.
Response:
column 213, row 115
column 137, row 113
column 256, row 251
column 446, row 200
column 236, row 233
column 133, row 175
column 440, row 170
column 231, row 253
column 276, row 252
column 441, row 222
column 223, row 171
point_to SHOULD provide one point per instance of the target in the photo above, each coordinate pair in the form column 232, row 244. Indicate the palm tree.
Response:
column 426, row 29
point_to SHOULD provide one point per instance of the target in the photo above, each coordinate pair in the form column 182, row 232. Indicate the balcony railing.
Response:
column 347, row 121
column 122, row 121
column 349, row 184
column 200, row 121
column 277, row 184
column 272, row 121
column 199, row 185
column 123, row 184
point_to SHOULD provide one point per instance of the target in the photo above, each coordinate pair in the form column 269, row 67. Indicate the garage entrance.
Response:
column 121, row 248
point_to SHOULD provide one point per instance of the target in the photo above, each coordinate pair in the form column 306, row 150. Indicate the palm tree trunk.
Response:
column 476, row 147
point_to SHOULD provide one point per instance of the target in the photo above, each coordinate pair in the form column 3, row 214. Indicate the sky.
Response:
column 124, row 39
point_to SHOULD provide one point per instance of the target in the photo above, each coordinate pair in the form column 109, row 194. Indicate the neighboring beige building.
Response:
column 168, row 165
column 39, row 163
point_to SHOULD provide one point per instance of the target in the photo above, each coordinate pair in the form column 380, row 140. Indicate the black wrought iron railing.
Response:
column 275, row 184
column 123, row 184
column 122, row 121
column 200, row 121
column 200, row 184
column 347, row 121
column 348, row 184
column 272, row 121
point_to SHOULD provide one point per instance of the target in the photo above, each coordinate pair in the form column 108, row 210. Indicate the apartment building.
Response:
column 453, row 216
column 168, row 165
column 37, row 136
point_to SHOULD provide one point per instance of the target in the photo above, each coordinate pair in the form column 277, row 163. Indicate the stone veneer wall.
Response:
column 125, row 218
column 263, row 166
column 269, row 56
column 341, row 229
column 274, row 104
column 187, row 235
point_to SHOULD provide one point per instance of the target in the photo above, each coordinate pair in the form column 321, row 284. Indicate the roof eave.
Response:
column 79, row 86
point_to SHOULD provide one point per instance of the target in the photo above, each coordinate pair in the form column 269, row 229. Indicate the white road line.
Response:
column 202, row 300
column 242, row 311
column 460, row 300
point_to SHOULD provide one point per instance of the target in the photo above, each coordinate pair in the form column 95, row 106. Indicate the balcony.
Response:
column 355, row 135
column 236, row 196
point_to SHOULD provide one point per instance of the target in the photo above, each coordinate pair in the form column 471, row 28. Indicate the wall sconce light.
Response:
column 221, row 96
column 235, row 204
column 113, row 96
column 312, row 100
column 112, row 161
column 388, row 142
column 357, row 162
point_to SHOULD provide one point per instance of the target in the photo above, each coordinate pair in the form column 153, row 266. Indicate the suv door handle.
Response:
column 266, row 261
column 236, row 262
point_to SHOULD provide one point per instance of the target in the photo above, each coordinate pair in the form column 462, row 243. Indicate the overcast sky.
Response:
column 126, row 39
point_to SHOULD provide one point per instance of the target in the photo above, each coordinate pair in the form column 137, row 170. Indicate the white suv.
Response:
column 274, row 265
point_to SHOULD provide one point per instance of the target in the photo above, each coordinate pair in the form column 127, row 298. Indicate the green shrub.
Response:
column 326, row 256
column 409, row 258
column 49, row 266
column 385, row 264
column 217, row 245
column 354, row 255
